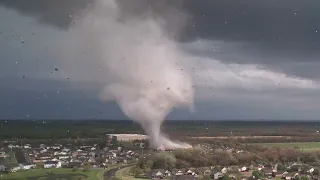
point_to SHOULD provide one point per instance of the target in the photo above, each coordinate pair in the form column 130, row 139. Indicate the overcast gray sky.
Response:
column 249, row 59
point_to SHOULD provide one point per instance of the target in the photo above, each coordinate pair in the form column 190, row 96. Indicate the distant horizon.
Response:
column 217, row 120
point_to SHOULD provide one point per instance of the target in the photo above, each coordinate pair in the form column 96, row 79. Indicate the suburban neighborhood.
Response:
column 25, row 157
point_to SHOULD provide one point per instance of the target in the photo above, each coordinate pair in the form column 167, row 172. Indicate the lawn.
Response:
column 40, row 174
column 124, row 174
column 304, row 146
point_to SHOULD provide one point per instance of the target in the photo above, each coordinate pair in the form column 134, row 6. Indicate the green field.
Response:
column 304, row 146
column 41, row 174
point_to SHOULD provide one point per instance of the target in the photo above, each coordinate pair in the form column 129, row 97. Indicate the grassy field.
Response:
column 304, row 146
column 124, row 174
column 40, row 174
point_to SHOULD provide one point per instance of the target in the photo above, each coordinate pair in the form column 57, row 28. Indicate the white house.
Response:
column 179, row 173
column 64, row 157
column 43, row 151
column 26, row 166
column 310, row 170
column 224, row 170
column 189, row 172
column 27, row 146
column 66, row 150
column 114, row 154
column 52, row 164
column 244, row 168
column 54, row 159
column 56, row 147
column 15, row 169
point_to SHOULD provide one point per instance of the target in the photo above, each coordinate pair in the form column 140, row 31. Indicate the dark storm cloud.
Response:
column 54, row 12
column 280, row 35
column 60, row 12
column 251, row 20
column 286, row 21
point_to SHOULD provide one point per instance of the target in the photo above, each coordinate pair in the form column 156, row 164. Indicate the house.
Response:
column 167, row 173
column 207, row 172
column 156, row 174
column 66, row 150
column 96, row 164
column 43, row 151
column 183, row 177
column 55, row 159
column 91, row 160
column 288, row 178
column 26, row 166
column 310, row 170
column 3, row 168
column 232, row 176
column 260, row 166
column 179, row 173
column 224, row 170
column 114, row 154
column 27, row 146
column 3, row 155
column 284, row 174
column 189, row 172
column 243, row 169
column 52, row 164
column 64, row 157
column 217, row 175
column 269, row 172
column 56, row 147
column 15, row 169
column 64, row 163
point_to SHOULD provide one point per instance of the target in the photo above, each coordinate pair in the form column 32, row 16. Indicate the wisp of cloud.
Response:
column 142, row 65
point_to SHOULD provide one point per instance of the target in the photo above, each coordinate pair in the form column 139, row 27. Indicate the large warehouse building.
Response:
column 129, row 137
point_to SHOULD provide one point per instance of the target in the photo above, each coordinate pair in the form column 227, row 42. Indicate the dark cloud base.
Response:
column 53, row 12
column 247, row 20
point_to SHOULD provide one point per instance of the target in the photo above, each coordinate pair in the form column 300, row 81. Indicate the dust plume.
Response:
column 143, row 65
